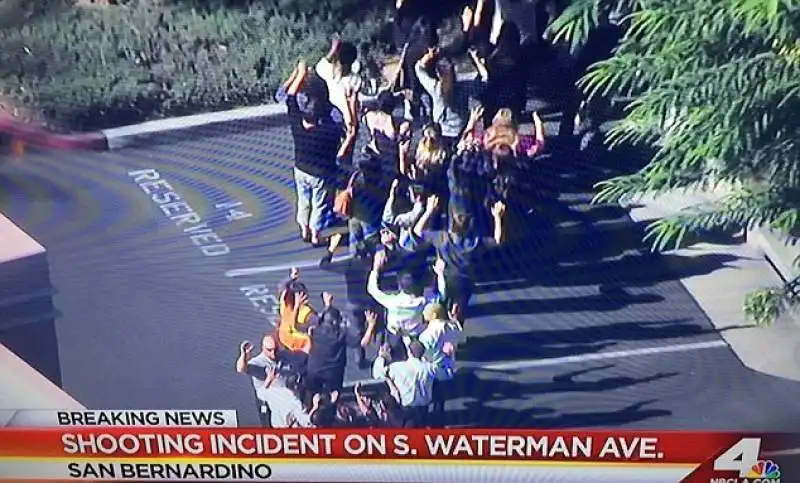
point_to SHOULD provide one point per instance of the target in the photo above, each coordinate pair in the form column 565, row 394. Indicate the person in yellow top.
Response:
column 297, row 316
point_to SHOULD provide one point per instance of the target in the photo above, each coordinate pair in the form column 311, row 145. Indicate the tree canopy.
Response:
column 716, row 91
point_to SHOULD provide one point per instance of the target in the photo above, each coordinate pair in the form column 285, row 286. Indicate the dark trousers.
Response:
column 439, row 398
column 459, row 291
column 415, row 417
column 264, row 413
column 359, row 326
column 325, row 381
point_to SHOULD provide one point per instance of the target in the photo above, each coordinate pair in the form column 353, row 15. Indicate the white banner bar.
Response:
column 220, row 418
column 350, row 471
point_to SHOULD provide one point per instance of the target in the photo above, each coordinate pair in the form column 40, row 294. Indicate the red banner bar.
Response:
column 467, row 444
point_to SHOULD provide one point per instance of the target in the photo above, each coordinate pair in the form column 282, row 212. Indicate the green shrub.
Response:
column 100, row 67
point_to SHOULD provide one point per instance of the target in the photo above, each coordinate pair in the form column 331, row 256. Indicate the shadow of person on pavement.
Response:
column 537, row 344
column 477, row 401
column 516, row 346
column 633, row 413
column 606, row 300
column 642, row 269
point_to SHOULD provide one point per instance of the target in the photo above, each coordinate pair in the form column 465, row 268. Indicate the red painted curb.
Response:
column 39, row 136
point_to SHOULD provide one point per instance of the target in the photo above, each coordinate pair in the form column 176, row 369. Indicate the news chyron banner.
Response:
column 81, row 453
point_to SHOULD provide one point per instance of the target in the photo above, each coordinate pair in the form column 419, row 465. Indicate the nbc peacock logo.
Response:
column 765, row 470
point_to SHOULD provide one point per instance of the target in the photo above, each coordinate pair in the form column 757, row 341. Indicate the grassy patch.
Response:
column 90, row 68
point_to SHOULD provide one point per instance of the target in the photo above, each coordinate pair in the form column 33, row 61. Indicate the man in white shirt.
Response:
column 403, row 308
column 411, row 382
column 286, row 408
column 262, row 369
column 339, row 69
column 440, row 338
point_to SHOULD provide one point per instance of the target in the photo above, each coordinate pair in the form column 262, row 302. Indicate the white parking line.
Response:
column 243, row 272
column 555, row 361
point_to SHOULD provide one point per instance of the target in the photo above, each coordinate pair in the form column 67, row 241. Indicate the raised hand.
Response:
column 498, row 209
column 372, row 317
column 300, row 299
column 379, row 261
column 475, row 115
column 294, row 273
column 404, row 147
column 429, row 55
column 439, row 266
column 327, row 299
column 454, row 312
column 385, row 351
column 246, row 347
column 433, row 202
column 467, row 16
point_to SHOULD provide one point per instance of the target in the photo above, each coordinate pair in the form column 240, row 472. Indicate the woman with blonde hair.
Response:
column 431, row 153
column 504, row 131
column 430, row 165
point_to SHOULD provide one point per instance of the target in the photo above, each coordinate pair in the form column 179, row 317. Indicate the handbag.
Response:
column 343, row 200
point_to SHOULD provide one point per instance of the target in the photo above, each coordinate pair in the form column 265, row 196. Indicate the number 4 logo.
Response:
column 740, row 457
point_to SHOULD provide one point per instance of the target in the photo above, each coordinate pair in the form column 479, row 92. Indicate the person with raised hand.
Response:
column 261, row 368
column 340, row 71
column 450, row 97
column 410, row 380
column 403, row 307
column 318, row 145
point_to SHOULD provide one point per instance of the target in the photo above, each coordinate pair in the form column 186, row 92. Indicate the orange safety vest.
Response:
column 288, row 335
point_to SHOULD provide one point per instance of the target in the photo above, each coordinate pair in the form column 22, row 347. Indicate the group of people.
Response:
column 420, row 202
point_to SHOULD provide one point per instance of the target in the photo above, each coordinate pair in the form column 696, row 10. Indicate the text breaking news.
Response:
column 126, row 417
column 82, row 453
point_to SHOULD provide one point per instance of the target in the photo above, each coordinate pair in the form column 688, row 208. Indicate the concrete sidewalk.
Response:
column 773, row 350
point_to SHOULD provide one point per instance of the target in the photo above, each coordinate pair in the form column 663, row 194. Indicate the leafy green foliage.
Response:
column 716, row 89
column 766, row 305
column 91, row 68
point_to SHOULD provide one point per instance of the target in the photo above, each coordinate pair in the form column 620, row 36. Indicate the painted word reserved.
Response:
column 179, row 211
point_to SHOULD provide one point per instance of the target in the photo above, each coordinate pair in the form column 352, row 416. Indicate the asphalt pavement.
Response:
column 578, row 327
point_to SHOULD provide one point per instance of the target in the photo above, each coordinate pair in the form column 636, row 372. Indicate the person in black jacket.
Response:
column 508, row 75
column 330, row 340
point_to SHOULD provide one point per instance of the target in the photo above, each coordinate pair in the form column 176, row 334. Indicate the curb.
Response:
column 125, row 136
column 39, row 136
column 120, row 137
